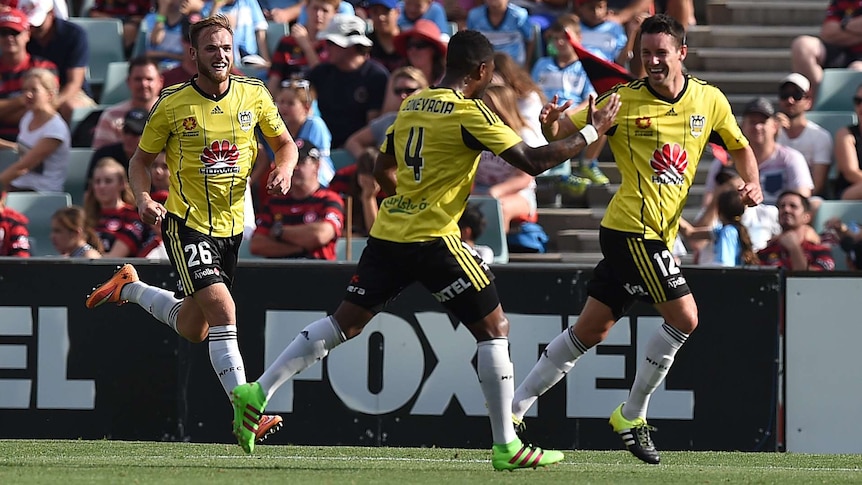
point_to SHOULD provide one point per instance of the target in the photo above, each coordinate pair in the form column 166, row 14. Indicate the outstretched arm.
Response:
column 534, row 161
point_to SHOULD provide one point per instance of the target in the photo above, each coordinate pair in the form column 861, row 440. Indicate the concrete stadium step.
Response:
column 744, row 82
column 738, row 59
column 762, row 36
column 578, row 240
column 786, row 12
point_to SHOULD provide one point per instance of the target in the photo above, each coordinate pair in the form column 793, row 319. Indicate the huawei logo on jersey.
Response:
column 669, row 164
column 220, row 158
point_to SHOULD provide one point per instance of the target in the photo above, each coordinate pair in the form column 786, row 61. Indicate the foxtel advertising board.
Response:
column 408, row 380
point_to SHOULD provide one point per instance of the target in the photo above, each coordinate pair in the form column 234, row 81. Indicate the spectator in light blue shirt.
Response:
column 507, row 26
column 413, row 10
column 249, row 29
column 561, row 73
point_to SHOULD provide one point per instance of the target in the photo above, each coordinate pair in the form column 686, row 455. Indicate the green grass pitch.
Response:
column 113, row 462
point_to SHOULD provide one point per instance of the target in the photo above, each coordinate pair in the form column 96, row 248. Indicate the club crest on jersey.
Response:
column 190, row 125
column 669, row 163
column 220, row 158
column 245, row 120
column 697, row 122
column 643, row 123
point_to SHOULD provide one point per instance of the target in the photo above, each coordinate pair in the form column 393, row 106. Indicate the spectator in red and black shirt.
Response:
column 298, row 52
column 798, row 247
column 110, row 207
column 14, row 236
column 14, row 63
column 307, row 221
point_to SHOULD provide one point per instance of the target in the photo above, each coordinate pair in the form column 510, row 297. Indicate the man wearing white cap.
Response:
column 66, row 45
column 351, row 86
column 809, row 138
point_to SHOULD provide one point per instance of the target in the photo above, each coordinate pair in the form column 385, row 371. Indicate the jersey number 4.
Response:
column 413, row 152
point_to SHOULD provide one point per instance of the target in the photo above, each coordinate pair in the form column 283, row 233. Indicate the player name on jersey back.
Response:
column 428, row 105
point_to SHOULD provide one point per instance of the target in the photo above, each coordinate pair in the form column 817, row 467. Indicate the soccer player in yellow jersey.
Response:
column 666, row 120
column 427, row 163
column 207, row 127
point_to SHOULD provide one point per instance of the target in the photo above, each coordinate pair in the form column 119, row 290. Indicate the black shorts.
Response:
column 635, row 268
column 199, row 260
column 453, row 273
column 839, row 57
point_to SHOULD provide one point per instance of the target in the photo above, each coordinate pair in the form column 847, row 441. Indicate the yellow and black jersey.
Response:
column 211, row 147
column 657, row 144
column 436, row 138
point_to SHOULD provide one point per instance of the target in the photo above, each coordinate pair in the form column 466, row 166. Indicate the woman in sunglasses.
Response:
column 848, row 155
column 424, row 49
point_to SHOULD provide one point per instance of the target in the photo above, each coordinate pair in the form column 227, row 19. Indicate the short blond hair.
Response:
column 45, row 77
column 218, row 20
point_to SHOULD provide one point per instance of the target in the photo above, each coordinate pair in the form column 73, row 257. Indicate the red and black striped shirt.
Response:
column 14, row 235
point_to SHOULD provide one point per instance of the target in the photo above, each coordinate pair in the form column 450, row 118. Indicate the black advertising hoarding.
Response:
column 407, row 381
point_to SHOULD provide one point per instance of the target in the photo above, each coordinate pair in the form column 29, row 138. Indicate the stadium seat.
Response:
column 7, row 158
column 106, row 44
column 837, row 89
column 341, row 158
column 140, row 47
column 76, row 176
column 453, row 28
column 832, row 121
column 357, row 245
column 83, row 9
column 39, row 207
column 115, row 89
column 846, row 210
column 539, row 45
column 495, row 233
column 274, row 32
column 245, row 252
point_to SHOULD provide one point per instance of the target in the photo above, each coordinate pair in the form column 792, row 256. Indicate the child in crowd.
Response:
column 300, row 51
column 561, row 73
column 508, row 28
column 72, row 236
column 604, row 37
column 413, row 10
column 731, row 241
column 472, row 224
column 294, row 101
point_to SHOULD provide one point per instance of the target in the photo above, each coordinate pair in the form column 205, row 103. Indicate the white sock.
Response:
column 497, row 378
column 555, row 362
column 660, row 350
column 311, row 345
column 156, row 301
column 225, row 357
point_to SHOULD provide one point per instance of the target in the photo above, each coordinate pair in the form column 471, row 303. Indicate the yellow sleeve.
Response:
column 387, row 145
column 157, row 130
column 725, row 125
column 486, row 127
column 270, row 121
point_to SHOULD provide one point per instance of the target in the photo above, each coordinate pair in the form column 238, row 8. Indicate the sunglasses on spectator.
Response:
column 857, row 100
column 299, row 84
column 795, row 94
column 7, row 32
column 419, row 44
column 405, row 91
